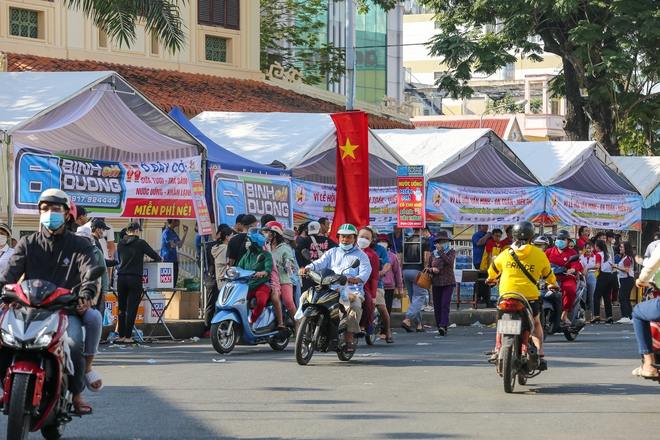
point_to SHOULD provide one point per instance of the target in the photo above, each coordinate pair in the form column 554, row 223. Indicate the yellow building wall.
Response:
column 65, row 33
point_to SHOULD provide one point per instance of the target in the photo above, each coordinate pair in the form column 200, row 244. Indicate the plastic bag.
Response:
column 344, row 300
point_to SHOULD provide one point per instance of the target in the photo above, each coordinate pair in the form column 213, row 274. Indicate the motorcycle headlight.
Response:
column 9, row 339
column 43, row 340
column 315, row 277
column 231, row 273
column 329, row 280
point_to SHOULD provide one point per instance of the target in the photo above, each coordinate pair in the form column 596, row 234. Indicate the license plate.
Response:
column 509, row 327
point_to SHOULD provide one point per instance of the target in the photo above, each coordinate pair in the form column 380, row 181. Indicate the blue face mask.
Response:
column 346, row 247
column 445, row 247
column 561, row 244
column 52, row 220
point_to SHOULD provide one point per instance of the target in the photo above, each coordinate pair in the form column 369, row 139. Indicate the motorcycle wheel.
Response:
column 304, row 347
column 18, row 423
column 547, row 322
column 224, row 336
column 279, row 344
column 345, row 357
column 53, row 432
column 508, row 373
column 570, row 336
column 371, row 339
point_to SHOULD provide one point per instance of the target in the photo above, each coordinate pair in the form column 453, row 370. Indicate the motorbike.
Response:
column 518, row 356
column 230, row 325
column 324, row 319
column 552, row 307
column 36, row 360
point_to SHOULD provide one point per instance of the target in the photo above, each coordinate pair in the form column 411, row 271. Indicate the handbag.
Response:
column 423, row 280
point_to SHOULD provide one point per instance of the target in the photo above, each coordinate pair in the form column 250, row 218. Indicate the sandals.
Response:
column 407, row 327
column 350, row 347
column 82, row 408
column 390, row 340
column 91, row 378
column 643, row 373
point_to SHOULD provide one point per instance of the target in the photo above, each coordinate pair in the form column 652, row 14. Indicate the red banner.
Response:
column 352, row 205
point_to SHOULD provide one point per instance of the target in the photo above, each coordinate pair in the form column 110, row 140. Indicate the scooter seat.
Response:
column 253, row 303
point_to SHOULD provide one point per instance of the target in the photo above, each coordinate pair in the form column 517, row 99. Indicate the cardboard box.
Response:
column 158, row 276
column 184, row 305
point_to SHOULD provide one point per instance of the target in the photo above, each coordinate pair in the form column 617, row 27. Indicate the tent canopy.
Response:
column 304, row 143
column 89, row 114
column 644, row 173
column 579, row 166
column 222, row 157
column 469, row 157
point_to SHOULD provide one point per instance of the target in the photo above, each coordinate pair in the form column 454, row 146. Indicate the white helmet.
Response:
column 541, row 240
column 54, row 195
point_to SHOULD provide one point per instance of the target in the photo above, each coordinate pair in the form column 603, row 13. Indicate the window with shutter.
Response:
column 224, row 13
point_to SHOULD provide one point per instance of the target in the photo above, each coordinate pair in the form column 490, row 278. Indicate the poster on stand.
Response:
column 204, row 225
column 469, row 205
column 313, row 201
column 237, row 193
column 158, row 189
column 410, row 196
column 603, row 211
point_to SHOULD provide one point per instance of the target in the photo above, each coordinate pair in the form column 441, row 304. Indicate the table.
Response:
column 161, row 315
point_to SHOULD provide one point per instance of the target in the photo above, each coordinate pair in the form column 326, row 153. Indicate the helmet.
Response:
column 313, row 228
column 563, row 234
column 256, row 237
column 374, row 233
column 523, row 231
column 274, row 227
column 4, row 227
column 541, row 240
column 55, row 196
column 347, row 229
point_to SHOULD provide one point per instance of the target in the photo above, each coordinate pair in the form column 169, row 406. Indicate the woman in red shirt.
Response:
column 559, row 255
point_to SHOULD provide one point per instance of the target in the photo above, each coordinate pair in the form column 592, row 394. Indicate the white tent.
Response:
column 470, row 157
column 644, row 173
column 88, row 114
column 579, row 166
column 302, row 142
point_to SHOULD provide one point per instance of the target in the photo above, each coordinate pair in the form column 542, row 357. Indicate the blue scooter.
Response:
column 552, row 305
column 230, row 324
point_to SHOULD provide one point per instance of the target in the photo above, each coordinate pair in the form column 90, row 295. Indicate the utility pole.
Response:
column 350, row 54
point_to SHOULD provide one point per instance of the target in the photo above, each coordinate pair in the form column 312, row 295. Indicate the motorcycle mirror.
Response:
column 573, row 258
column 306, row 254
column 355, row 263
column 261, row 258
column 94, row 273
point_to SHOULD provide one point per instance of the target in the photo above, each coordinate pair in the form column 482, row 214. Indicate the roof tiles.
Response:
column 194, row 93
column 498, row 125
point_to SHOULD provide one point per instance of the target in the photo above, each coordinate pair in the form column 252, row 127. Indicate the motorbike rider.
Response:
column 284, row 262
column 259, row 285
column 56, row 255
column 542, row 242
column 339, row 260
column 643, row 314
column 514, row 279
column 559, row 255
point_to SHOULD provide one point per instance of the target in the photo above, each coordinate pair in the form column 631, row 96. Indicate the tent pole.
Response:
column 545, row 209
column 6, row 140
column 202, row 253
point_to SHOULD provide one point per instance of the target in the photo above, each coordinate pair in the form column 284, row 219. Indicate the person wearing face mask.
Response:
column 56, row 255
column 441, row 267
column 284, row 262
column 5, row 250
column 365, row 237
column 416, row 253
column 590, row 263
column 393, row 279
column 384, row 266
column 340, row 259
column 258, row 286
column 559, row 255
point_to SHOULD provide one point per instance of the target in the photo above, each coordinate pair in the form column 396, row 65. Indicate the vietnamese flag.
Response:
column 352, row 205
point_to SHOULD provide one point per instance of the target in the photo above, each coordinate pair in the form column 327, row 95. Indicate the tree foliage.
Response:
column 117, row 18
column 507, row 105
column 609, row 47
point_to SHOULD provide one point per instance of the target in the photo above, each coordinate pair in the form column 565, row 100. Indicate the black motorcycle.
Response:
column 323, row 325
column 518, row 356
column 552, row 307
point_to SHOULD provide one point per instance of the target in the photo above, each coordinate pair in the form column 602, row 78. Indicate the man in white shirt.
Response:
column 651, row 247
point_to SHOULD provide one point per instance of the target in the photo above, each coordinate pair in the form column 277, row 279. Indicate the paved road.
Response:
column 405, row 390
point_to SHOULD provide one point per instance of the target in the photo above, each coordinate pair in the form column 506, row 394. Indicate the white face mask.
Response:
column 363, row 243
column 247, row 245
column 3, row 240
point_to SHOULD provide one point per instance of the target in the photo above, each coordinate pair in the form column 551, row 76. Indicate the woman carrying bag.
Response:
column 441, row 267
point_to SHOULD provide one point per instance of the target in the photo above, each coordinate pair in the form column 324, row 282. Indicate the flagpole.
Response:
column 350, row 54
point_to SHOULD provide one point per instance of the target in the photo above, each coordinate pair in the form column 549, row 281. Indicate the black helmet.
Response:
column 563, row 234
column 523, row 231
column 55, row 196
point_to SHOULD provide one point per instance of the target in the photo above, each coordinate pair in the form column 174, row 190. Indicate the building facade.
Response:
column 222, row 37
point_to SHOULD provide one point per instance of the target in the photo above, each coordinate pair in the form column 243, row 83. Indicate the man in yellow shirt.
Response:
column 514, row 279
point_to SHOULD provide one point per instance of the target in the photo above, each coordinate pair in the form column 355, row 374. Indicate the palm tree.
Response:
column 117, row 19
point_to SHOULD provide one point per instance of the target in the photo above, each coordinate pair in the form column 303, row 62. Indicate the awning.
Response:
column 644, row 173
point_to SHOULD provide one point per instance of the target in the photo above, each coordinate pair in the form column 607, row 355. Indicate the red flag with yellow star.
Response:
column 352, row 205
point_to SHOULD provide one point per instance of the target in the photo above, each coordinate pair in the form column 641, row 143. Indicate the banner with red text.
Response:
column 410, row 193
column 154, row 189
column 603, row 211
column 202, row 214
column 312, row 201
column 469, row 205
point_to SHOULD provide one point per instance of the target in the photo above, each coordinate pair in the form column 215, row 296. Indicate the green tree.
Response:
column 117, row 18
column 508, row 105
column 602, row 45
